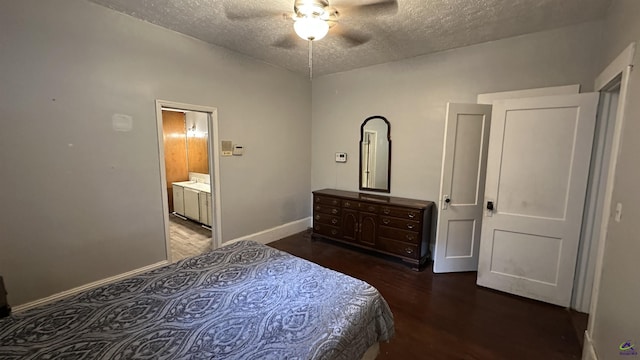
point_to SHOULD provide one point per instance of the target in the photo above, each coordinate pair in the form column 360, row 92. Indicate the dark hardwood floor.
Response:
column 446, row 316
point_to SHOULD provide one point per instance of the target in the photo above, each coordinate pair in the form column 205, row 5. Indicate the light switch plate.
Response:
column 618, row 214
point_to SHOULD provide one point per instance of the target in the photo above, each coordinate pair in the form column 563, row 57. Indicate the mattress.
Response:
column 242, row 301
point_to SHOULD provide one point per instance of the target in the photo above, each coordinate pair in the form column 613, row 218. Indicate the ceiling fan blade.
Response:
column 290, row 41
column 381, row 7
column 350, row 37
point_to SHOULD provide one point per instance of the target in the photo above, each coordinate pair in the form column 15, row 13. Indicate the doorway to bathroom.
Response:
column 189, row 177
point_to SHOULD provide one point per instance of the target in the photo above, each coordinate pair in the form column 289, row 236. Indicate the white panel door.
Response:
column 462, row 187
column 537, row 170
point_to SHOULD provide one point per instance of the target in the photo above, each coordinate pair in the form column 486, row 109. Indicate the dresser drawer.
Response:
column 362, row 206
column 399, row 248
column 401, row 213
column 399, row 234
column 350, row 204
column 400, row 223
column 325, row 200
column 369, row 208
column 326, row 209
column 326, row 230
column 327, row 219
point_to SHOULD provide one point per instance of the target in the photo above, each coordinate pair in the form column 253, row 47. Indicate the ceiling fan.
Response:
column 312, row 20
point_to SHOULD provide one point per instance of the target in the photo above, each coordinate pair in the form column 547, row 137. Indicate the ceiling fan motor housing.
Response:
column 311, row 8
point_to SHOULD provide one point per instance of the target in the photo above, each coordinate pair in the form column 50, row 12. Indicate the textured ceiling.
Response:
column 418, row 27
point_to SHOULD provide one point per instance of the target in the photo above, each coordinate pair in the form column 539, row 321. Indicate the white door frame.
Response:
column 214, row 164
column 620, row 67
column 489, row 98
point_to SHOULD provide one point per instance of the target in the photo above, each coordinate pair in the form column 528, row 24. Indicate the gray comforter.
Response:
column 242, row 301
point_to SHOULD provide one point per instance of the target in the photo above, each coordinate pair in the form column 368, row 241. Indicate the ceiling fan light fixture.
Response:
column 311, row 28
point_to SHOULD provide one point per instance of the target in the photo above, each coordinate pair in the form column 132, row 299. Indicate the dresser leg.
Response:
column 415, row 266
column 418, row 265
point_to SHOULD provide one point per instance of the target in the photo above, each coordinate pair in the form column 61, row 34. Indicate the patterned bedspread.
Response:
column 242, row 301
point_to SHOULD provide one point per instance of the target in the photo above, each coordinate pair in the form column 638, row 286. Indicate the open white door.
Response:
column 537, row 170
column 462, row 187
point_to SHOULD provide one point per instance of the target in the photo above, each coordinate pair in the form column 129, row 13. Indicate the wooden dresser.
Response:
column 390, row 225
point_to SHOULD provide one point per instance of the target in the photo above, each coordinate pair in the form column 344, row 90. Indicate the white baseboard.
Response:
column 263, row 237
column 79, row 289
column 276, row 233
column 588, row 351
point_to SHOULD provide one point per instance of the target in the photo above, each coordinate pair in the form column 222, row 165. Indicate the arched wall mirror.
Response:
column 375, row 154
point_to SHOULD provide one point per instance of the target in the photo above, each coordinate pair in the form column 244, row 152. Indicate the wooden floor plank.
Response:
column 447, row 316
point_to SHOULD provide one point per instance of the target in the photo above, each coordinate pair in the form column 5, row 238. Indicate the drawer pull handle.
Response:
column 317, row 217
column 410, row 226
column 317, row 207
column 386, row 211
column 334, row 202
column 334, row 232
column 371, row 208
column 317, row 199
column 386, row 221
column 347, row 204
column 412, row 215
column 334, row 211
column 409, row 237
column 408, row 250
column 317, row 227
column 334, row 221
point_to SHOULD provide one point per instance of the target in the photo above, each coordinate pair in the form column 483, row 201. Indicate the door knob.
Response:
column 490, row 205
column 446, row 200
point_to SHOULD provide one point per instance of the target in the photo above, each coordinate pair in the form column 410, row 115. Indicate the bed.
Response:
column 242, row 301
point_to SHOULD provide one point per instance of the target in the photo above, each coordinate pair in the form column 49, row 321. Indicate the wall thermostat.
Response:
column 341, row 157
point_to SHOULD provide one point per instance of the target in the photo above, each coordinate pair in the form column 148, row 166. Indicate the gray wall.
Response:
column 412, row 94
column 82, row 202
column 616, row 316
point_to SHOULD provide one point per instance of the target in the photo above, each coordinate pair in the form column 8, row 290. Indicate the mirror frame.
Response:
column 388, row 189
